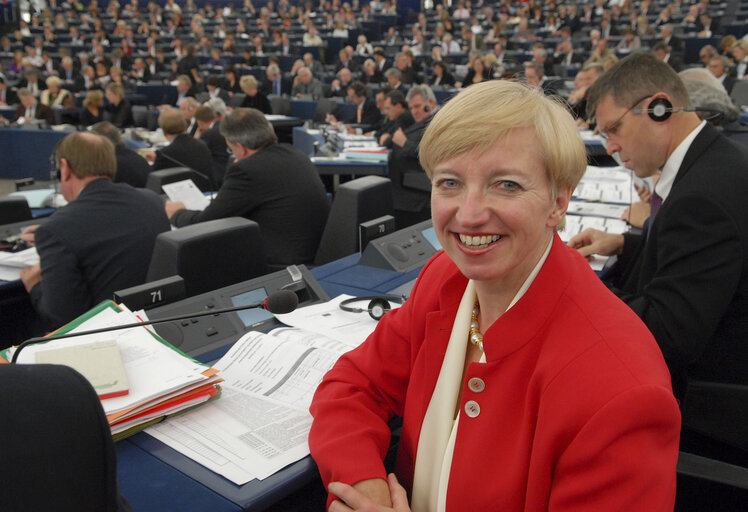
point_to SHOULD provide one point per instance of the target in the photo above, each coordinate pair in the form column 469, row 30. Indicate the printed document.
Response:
column 261, row 422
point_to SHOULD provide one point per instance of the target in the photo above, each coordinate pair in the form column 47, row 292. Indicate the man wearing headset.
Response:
column 687, row 274
column 411, row 189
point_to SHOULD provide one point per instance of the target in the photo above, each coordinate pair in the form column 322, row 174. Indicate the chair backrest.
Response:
column 237, row 99
column 740, row 93
column 58, row 452
column 356, row 201
column 324, row 106
column 157, row 179
column 280, row 105
column 141, row 116
column 14, row 209
column 209, row 255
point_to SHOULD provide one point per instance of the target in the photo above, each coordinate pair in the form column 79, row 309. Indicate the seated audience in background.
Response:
column 685, row 275
column 187, row 108
column 100, row 242
column 276, row 83
column 93, row 108
column 231, row 81
column 366, row 114
column 397, row 117
column 214, row 89
column 254, row 98
column 132, row 168
column 8, row 97
column 410, row 199
column 442, row 76
column 183, row 150
column 208, row 124
column 510, row 359
column 714, row 104
column 275, row 185
column 28, row 109
column 718, row 66
column 55, row 96
column 118, row 111
column 31, row 82
column 739, row 52
column 306, row 85
column 662, row 52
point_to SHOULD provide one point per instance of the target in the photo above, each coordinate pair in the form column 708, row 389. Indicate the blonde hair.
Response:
column 483, row 113
column 248, row 81
column 94, row 98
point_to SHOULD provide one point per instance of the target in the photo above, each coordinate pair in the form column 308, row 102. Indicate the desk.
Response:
column 25, row 153
column 154, row 477
column 328, row 166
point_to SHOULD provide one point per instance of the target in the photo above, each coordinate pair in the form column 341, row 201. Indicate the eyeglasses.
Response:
column 605, row 133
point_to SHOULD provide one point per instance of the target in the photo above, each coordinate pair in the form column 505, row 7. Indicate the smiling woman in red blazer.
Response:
column 523, row 383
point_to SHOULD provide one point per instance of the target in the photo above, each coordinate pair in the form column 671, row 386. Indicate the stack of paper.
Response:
column 373, row 154
column 262, row 421
column 162, row 380
column 11, row 263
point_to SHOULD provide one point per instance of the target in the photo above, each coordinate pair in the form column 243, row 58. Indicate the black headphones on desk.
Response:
column 378, row 304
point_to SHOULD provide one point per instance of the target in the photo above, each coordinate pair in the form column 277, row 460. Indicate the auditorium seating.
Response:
column 57, row 450
column 356, row 201
column 209, row 255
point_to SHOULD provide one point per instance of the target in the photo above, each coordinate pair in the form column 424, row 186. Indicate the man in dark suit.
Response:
column 100, row 242
column 209, row 125
column 183, row 150
column 674, row 42
column 29, row 109
column 662, row 52
column 276, row 83
column 132, row 168
column 31, row 82
column 276, row 185
column 367, row 114
column 69, row 75
column 718, row 67
column 398, row 117
column 411, row 188
column 686, row 276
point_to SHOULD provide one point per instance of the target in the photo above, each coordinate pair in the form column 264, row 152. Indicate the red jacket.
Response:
column 577, row 411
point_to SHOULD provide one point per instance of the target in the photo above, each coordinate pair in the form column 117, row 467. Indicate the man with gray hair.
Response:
column 275, row 185
column 411, row 188
column 718, row 66
column 276, row 83
column 306, row 85
column 714, row 105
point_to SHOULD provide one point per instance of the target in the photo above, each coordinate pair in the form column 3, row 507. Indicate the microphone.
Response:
column 283, row 301
column 203, row 176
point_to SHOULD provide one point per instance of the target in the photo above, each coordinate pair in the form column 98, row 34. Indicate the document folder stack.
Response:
column 162, row 380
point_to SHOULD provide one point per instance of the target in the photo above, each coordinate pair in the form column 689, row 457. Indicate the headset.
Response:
column 426, row 108
column 660, row 109
column 377, row 307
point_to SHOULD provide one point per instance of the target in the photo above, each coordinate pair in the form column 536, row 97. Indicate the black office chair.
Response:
column 237, row 99
column 209, row 255
column 280, row 105
column 715, row 416
column 57, row 450
column 14, row 209
column 157, row 179
column 356, row 201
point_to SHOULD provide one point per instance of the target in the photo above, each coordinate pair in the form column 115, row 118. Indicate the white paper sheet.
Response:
column 261, row 422
column 188, row 193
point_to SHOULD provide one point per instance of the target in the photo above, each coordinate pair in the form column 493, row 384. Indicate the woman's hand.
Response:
column 373, row 495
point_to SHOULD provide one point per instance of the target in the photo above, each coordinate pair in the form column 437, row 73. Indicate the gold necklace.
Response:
column 476, row 337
